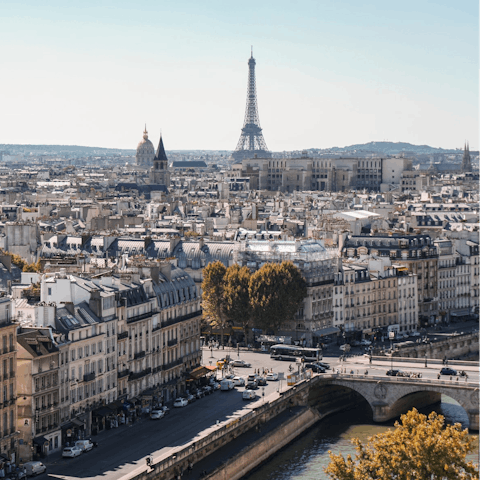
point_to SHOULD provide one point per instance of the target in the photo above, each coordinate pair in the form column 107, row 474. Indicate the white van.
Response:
column 34, row 468
column 248, row 395
column 226, row 384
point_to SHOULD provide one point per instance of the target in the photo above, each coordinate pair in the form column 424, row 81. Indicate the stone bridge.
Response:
column 389, row 397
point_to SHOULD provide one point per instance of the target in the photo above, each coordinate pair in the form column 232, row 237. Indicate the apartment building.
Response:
column 38, row 393
column 8, row 381
column 416, row 252
column 446, row 279
column 315, row 316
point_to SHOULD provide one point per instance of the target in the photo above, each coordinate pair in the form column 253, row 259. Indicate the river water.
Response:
column 306, row 457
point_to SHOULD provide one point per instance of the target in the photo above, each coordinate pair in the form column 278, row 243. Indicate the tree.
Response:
column 236, row 300
column 276, row 292
column 32, row 267
column 418, row 448
column 212, row 295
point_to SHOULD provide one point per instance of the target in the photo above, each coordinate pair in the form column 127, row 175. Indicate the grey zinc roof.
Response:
column 180, row 289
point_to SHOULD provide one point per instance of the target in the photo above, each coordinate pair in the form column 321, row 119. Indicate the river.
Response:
column 306, row 457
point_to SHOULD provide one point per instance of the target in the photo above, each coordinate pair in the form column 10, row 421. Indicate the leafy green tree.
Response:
column 418, row 448
column 212, row 295
column 236, row 300
column 276, row 293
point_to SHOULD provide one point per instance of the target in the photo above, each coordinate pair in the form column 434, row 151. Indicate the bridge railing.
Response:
column 457, row 381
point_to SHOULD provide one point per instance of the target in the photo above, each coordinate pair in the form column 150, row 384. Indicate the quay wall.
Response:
column 253, row 455
column 177, row 461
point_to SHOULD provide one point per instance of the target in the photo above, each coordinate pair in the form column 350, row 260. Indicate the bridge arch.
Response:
column 389, row 398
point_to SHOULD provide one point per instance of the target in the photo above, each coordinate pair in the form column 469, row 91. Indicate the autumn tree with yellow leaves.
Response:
column 419, row 448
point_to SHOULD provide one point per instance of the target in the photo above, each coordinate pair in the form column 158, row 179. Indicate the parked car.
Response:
column 272, row 376
column 207, row 389
column 415, row 334
column 156, row 414
column 84, row 445
column 448, row 371
column 365, row 342
column 199, row 393
column 248, row 395
column 180, row 402
column 34, row 468
column 315, row 367
column 164, row 409
column 191, row 398
column 71, row 452
column 238, row 381
column 240, row 363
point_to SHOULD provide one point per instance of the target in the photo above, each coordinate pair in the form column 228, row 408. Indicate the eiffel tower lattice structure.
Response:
column 251, row 140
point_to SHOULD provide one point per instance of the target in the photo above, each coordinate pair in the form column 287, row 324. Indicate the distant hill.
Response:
column 69, row 150
column 392, row 148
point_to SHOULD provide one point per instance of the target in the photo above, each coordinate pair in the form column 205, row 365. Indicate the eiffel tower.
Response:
column 251, row 140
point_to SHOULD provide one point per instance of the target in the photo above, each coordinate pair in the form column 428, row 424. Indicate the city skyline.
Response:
column 327, row 75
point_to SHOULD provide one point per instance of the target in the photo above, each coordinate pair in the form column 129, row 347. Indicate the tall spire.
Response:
column 161, row 155
column 466, row 160
column 251, row 140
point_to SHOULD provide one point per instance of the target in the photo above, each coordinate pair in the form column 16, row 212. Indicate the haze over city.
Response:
column 327, row 74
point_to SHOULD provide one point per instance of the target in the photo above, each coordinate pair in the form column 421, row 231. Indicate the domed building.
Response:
column 145, row 151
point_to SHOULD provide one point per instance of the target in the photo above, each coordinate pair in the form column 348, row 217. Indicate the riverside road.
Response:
column 122, row 451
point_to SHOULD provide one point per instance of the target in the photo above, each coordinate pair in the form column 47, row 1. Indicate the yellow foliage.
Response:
column 418, row 448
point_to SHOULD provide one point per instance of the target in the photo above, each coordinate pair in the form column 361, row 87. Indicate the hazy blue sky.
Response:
column 329, row 72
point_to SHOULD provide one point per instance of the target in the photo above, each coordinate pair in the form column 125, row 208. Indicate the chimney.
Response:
column 95, row 303
column 166, row 269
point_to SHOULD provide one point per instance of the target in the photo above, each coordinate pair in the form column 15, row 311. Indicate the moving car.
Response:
column 238, row 381
column 226, row 385
column 397, row 373
column 240, row 363
column 248, row 395
column 84, row 445
column 272, row 376
column 180, row 402
column 315, row 367
column 71, row 452
column 261, row 381
column 251, row 385
column 34, row 468
column 157, row 414
column 448, row 371
column 326, row 366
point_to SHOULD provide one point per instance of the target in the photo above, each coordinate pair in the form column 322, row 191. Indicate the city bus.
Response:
column 293, row 352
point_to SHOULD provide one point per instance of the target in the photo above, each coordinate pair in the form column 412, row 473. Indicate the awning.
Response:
column 102, row 412
column 78, row 422
column 116, row 404
column 326, row 331
column 40, row 441
column 199, row 372
column 212, row 368
column 461, row 313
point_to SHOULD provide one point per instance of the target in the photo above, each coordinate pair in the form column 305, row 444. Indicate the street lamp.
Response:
column 426, row 359
column 391, row 336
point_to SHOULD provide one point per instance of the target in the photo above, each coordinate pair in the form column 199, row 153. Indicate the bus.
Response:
column 293, row 352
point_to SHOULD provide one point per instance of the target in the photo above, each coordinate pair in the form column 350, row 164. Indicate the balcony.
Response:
column 173, row 321
column 88, row 377
column 139, row 355
column 173, row 364
column 172, row 342
column 137, row 318
column 122, row 335
column 137, row 375
column 123, row 373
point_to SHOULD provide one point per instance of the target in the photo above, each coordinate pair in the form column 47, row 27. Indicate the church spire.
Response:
column 161, row 155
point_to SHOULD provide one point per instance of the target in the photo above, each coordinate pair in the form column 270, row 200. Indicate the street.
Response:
column 122, row 451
